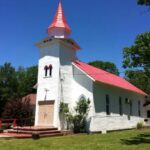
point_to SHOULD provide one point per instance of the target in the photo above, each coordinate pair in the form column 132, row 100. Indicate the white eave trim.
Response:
column 35, row 86
column 83, row 72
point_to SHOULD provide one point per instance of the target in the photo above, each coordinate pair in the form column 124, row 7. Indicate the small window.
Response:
column 131, row 112
column 139, row 108
column 148, row 114
column 127, row 101
column 46, row 70
column 107, row 105
column 120, row 106
column 50, row 70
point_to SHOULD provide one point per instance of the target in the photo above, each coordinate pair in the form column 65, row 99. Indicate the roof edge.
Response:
column 83, row 72
column 145, row 94
column 141, row 93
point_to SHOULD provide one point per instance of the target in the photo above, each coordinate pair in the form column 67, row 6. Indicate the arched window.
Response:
column 46, row 70
column 82, row 97
column 50, row 70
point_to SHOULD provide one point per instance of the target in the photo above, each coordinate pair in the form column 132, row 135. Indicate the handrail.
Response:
column 14, row 124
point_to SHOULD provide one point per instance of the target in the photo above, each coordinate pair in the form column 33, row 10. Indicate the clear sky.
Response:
column 101, row 27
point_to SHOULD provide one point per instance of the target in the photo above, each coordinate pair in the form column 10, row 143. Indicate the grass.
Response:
column 122, row 140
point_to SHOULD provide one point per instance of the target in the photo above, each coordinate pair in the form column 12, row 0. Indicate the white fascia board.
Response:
column 84, row 72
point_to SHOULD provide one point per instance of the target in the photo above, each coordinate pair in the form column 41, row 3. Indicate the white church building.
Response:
column 115, row 103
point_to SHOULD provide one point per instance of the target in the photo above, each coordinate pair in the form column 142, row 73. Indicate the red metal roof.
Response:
column 59, row 20
column 107, row 78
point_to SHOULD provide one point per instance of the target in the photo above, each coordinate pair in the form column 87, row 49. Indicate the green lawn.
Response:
column 122, row 140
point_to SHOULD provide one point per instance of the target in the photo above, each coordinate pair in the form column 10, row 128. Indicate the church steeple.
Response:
column 59, row 27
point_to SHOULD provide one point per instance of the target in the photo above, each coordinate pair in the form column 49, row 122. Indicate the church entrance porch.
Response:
column 46, row 113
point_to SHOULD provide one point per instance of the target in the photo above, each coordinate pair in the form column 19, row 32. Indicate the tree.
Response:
column 63, row 111
column 108, row 66
column 80, row 118
column 16, row 83
column 27, row 78
column 8, row 84
column 138, row 55
column 136, row 58
column 20, row 109
column 144, row 2
column 77, row 120
column 139, row 79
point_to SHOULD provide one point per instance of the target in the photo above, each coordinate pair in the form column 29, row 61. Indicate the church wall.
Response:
column 101, row 121
column 82, row 86
column 48, row 55
column 67, row 55
column 59, row 86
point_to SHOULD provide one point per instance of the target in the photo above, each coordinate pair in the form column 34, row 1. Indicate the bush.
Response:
column 1, row 130
column 63, row 108
column 140, row 125
column 35, row 135
column 17, row 108
column 79, row 124
column 77, row 121
column 4, row 127
column 63, row 112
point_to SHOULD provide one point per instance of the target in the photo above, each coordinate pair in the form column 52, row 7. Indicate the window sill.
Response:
column 108, row 115
column 47, row 77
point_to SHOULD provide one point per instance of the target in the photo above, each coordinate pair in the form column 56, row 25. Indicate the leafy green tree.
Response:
column 8, row 84
column 27, row 78
column 77, row 120
column 144, row 2
column 16, row 83
column 137, row 59
column 80, row 118
column 138, row 55
column 19, row 109
column 63, row 112
column 139, row 78
column 108, row 66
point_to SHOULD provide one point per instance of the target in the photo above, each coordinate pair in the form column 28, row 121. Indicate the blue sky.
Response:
column 102, row 28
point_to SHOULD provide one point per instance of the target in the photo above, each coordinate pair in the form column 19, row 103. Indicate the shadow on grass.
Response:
column 140, row 139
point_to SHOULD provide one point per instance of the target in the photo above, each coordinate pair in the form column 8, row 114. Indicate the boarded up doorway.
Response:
column 46, row 113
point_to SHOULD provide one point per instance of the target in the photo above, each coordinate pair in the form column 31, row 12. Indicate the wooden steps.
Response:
column 30, row 132
column 41, row 131
column 35, row 128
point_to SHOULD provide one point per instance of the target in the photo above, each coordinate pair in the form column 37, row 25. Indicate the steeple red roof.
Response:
column 59, row 20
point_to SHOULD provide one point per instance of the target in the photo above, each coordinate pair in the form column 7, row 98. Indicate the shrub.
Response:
column 63, row 108
column 63, row 111
column 77, row 121
column 140, row 125
column 79, row 124
column 35, row 135
column 4, row 127
column 1, row 130
column 18, row 108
